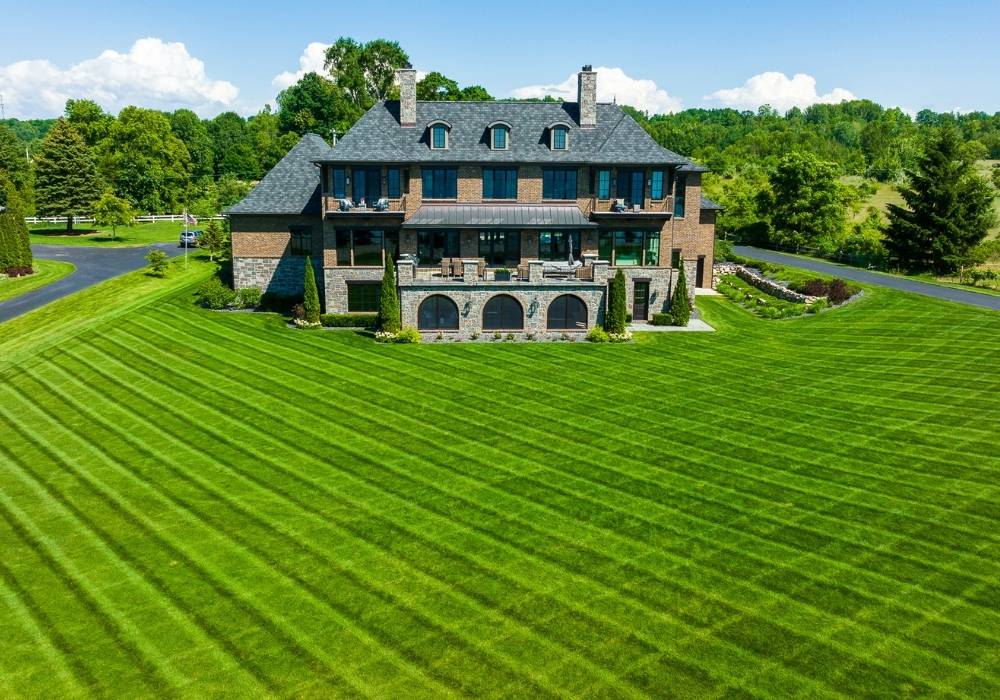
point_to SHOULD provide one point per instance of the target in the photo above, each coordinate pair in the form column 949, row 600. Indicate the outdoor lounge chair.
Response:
column 446, row 267
column 382, row 204
column 456, row 267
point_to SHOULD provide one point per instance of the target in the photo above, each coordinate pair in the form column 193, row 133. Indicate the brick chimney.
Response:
column 407, row 95
column 587, row 96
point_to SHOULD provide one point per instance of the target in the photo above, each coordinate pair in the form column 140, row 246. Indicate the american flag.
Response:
column 190, row 220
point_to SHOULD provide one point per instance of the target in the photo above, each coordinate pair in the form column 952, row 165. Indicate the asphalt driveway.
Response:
column 987, row 301
column 93, row 265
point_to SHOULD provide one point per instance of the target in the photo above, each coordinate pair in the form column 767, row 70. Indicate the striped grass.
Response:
column 205, row 503
column 45, row 272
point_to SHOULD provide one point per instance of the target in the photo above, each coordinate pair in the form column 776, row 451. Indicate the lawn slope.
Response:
column 207, row 503
column 46, row 272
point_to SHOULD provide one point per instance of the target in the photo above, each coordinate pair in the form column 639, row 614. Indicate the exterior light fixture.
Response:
column 533, row 307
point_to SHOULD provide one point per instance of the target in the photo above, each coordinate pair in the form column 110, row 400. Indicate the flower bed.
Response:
column 757, row 301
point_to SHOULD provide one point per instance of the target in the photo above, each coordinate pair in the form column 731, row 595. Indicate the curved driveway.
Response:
column 988, row 301
column 93, row 265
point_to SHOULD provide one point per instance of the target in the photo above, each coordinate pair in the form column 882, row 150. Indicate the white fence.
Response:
column 148, row 218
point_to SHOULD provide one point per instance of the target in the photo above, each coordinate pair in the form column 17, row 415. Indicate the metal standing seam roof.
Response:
column 486, row 216
column 707, row 203
column 617, row 138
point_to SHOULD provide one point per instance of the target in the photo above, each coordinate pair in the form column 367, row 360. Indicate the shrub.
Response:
column 213, row 294
column 298, row 312
column 620, row 337
column 511, row 336
column 838, row 292
column 817, row 305
column 474, row 335
column 310, row 294
column 248, row 298
column 661, row 319
column 388, row 301
column 615, row 321
column 349, row 320
column 813, row 288
column 597, row 335
column 497, row 335
column 680, row 306
column 157, row 260
column 407, row 336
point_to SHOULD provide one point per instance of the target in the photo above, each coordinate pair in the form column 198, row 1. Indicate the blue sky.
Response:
column 659, row 56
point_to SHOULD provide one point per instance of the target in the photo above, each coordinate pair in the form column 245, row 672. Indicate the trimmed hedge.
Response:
column 349, row 320
column 662, row 319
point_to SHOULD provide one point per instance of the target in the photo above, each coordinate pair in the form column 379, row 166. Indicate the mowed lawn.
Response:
column 45, row 272
column 202, row 503
column 104, row 237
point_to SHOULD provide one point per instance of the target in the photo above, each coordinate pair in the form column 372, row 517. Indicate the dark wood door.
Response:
column 640, row 301
column 700, row 275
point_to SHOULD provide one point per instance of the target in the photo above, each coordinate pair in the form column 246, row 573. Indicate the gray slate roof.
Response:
column 486, row 216
column 292, row 186
column 617, row 138
column 707, row 203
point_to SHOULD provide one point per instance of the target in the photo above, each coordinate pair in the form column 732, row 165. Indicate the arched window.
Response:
column 500, row 137
column 437, row 313
column 567, row 313
column 439, row 135
column 560, row 138
column 503, row 313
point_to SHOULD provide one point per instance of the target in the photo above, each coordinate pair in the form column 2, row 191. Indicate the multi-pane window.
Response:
column 440, row 183
column 366, row 247
column 433, row 246
column 362, row 296
column 675, row 258
column 367, row 185
column 301, row 240
column 629, row 248
column 559, row 245
column 632, row 186
column 559, row 183
column 499, row 183
column 566, row 312
column 656, row 189
column 560, row 135
column 500, row 134
column 500, row 247
column 604, row 184
column 393, row 183
column 680, row 184
column 339, row 178
column 437, row 313
column 503, row 312
column 439, row 136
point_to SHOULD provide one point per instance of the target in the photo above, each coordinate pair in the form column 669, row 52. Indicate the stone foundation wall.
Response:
column 335, row 284
column 283, row 276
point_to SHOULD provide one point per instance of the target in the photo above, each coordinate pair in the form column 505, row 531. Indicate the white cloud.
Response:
column 779, row 91
column 311, row 61
column 612, row 85
column 153, row 73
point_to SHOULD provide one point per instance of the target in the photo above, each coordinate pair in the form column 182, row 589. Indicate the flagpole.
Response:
column 185, row 239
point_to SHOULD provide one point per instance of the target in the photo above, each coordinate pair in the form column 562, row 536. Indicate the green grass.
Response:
column 200, row 503
column 86, row 234
column 46, row 272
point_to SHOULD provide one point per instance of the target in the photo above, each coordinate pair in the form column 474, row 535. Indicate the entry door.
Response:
column 638, row 187
column 700, row 274
column 640, row 301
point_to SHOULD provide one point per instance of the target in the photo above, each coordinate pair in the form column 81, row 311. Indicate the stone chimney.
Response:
column 407, row 95
column 587, row 96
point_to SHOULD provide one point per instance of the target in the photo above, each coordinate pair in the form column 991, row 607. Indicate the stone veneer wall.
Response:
column 760, row 282
column 335, row 284
column 283, row 276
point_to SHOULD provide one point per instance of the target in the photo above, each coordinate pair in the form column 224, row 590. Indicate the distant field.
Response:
column 209, row 504
column 46, row 272
column 85, row 234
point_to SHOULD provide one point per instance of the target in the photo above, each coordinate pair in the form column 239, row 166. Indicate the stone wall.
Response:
column 283, row 276
column 335, row 284
column 762, row 283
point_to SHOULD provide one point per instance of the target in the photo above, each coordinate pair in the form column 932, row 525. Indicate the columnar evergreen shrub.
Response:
column 615, row 321
column 15, row 247
column 680, row 307
column 310, row 294
column 389, row 318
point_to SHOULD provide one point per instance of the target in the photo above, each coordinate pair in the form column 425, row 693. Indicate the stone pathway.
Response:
column 694, row 325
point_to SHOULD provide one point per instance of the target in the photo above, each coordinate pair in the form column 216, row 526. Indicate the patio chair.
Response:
column 523, row 272
column 481, row 270
column 382, row 204
column 585, row 272
column 619, row 205
column 456, row 267
column 446, row 267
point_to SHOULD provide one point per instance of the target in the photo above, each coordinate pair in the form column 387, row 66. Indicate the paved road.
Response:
column 93, row 265
column 988, row 301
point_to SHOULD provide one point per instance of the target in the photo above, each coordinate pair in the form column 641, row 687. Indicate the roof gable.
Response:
column 293, row 184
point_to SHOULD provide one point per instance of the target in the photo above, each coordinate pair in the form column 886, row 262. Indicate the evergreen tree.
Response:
column 948, row 208
column 310, row 296
column 214, row 239
column 15, row 247
column 680, row 305
column 66, row 182
column 388, row 303
column 615, row 321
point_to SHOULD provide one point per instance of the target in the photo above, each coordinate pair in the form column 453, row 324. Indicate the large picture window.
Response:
column 567, row 312
column 392, row 183
column 679, row 186
column 503, row 313
column 437, row 313
column 339, row 183
column 629, row 248
column 499, row 183
column 604, row 184
column 632, row 186
column 656, row 189
column 433, row 246
column 559, row 183
column 363, row 296
column 301, row 240
column 366, row 247
column 558, row 245
column 440, row 183
column 367, row 185
column 500, row 247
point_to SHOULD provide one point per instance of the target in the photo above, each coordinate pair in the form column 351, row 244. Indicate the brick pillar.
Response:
column 405, row 272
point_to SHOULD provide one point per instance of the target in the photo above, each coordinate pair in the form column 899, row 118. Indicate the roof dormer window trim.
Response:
column 559, row 136
column 499, row 135
column 439, row 133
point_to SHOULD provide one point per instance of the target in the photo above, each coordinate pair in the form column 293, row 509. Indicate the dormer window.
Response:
column 559, row 137
column 500, row 136
column 439, row 135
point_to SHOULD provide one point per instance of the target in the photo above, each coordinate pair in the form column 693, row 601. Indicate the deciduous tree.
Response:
column 66, row 182
column 807, row 203
column 113, row 211
column 366, row 72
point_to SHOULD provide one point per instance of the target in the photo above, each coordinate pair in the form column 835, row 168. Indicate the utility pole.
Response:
column 2, row 115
